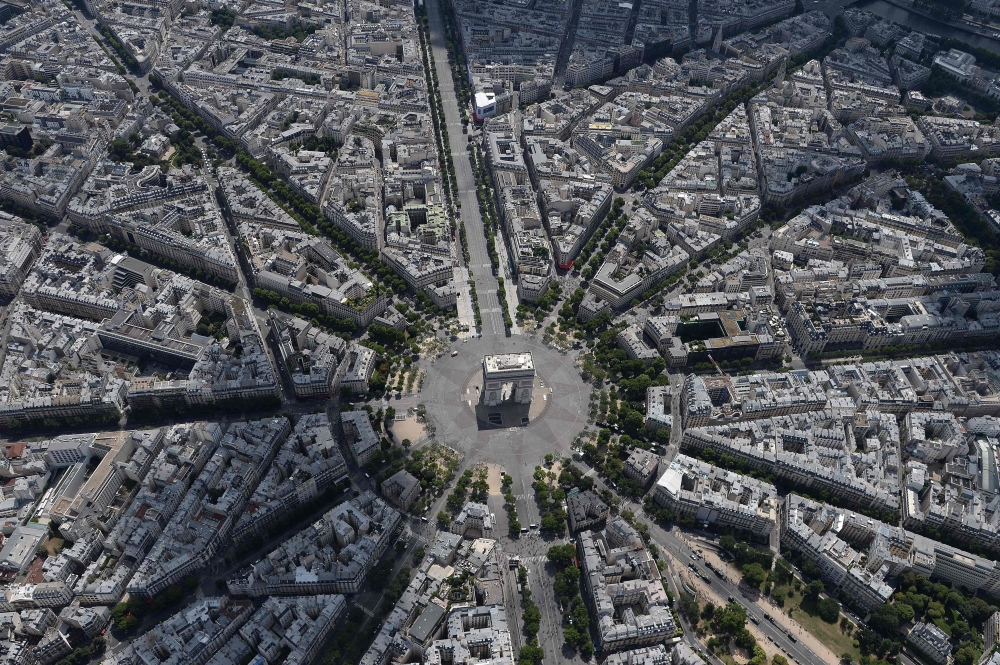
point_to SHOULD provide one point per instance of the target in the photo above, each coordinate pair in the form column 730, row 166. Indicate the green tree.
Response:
column 127, row 623
column 708, row 611
column 731, row 619
column 531, row 654
column 561, row 555
column 905, row 611
column 567, row 582
column 814, row 589
column 828, row 609
column 754, row 574
column 782, row 572
column 689, row 606
column 778, row 659
column 885, row 620
column 965, row 656
column 745, row 640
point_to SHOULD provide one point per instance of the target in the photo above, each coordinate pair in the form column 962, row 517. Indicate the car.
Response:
column 524, row 529
column 424, row 520
column 532, row 526
column 792, row 637
column 454, row 353
column 694, row 557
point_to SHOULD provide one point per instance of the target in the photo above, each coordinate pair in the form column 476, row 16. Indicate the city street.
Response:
column 517, row 449
column 479, row 257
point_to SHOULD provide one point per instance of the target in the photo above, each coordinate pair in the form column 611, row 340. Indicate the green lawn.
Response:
column 829, row 634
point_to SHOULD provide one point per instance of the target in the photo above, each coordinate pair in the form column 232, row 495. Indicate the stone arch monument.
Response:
column 507, row 378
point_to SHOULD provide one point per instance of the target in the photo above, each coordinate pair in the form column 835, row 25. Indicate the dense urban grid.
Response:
column 524, row 332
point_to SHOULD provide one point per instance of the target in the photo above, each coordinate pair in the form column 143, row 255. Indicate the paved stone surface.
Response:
column 444, row 396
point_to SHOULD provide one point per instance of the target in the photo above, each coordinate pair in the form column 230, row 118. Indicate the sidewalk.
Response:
column 767, row 605
column 509, row 282
column 709, row 593
column 463, row 304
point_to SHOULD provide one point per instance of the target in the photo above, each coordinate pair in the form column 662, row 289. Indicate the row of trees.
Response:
column 510, row 505
column 16, row 427
column 127, row 616
column 272, row 32
column 491, row 225
column 124, row 55
column 437, row 106
column 441, row 136
column 576, row 627
column 355, row 633
column 307, row 310
column 650, row 176
column 592, row 254
column 531, row 653
column 456, row 59
column 307, row 214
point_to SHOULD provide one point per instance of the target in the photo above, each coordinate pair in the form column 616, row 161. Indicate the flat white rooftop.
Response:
column 508, row 362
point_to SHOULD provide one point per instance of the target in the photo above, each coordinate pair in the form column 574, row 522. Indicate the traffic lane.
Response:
column 682, row 552
column 674, row 580
column 780, row 638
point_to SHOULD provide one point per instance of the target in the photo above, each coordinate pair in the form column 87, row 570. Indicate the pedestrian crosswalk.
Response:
column 534, row 559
